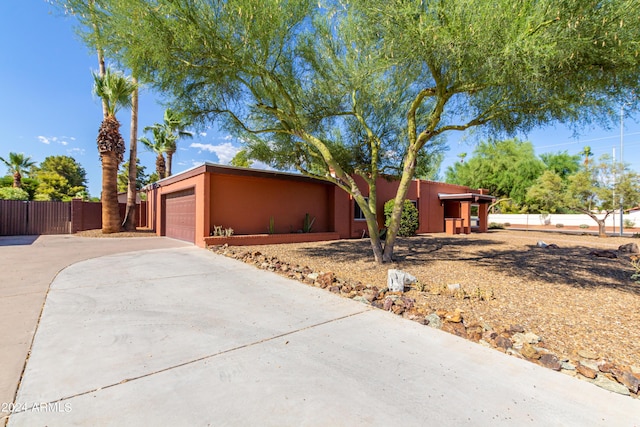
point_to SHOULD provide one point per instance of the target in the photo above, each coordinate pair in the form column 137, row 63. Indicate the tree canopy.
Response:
column 337, row 89
column 506, row 168
column 596, row 189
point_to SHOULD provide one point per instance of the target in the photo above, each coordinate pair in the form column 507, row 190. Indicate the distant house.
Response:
column 188, row 205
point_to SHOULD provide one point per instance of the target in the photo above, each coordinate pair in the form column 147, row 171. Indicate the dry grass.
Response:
column 573, row 300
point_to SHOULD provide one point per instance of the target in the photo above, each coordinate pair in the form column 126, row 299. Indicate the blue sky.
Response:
column 47, row 107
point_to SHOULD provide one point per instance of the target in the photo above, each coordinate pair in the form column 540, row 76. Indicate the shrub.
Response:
column 408, row 221
column 559, row 225
column 507, row 224
column 496, row 226
column 12, row 193
column 629, row 223
column 218, row 230
column 584, row 226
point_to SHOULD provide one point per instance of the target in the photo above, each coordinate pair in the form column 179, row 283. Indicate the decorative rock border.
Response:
column 513, row 340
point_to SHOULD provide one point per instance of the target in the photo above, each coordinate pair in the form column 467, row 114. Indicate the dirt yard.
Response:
column 574, row 301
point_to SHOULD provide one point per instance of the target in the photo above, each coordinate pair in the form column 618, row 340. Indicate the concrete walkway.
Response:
column 28, row 264
column 184, row 337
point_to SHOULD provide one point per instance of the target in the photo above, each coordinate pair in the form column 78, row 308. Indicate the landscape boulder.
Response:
column 398, row 279
column 629, row 248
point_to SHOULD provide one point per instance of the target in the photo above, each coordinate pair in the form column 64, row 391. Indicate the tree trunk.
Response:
column 17, row 179
column 160, row 166
column 403, row 188
column 374, row 236
column 602, row 231
column 129, row 222
column 168, row 168
column 110, row 210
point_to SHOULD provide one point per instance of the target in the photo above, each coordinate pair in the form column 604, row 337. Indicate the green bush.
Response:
column 629, row 223
column 496, row 226
column 408, row 221
column 12, row 193
column 584, row 226
column 507, row 224
column 559, row 225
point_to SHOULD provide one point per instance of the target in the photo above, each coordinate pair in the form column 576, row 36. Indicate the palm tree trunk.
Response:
column 168, row 169
column 17, row 179
column 110, row 210
column 160, row 166
column 129, row 222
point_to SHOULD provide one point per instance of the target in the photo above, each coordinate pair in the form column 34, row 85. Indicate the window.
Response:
column 357, row 212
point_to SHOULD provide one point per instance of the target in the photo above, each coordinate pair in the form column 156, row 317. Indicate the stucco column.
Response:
column 465, row 214
column 483, row 217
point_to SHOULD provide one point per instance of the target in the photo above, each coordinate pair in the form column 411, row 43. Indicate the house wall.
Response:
column 433, row 211
column 246, row 204
column 245, row 200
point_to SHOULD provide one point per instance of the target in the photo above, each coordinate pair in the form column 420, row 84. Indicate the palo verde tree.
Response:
column 596, row 190
column 333, row 85
column 275, row 75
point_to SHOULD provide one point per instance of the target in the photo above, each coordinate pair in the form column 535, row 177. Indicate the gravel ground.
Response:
column 140, row 232
column 573, row 300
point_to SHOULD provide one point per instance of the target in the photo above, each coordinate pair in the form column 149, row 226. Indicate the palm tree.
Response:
column 159, row 146
column 173, row 126
column 129, row 221
column 586, row 152
column 18, row 165
column 115, row 90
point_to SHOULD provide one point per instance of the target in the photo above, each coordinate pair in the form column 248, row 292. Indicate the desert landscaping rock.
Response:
column 529, row 352
column 503, row 342
column 550, row 361
column 607, row 384
column 629, row 248
column 434, row 321
column 567, row 366
column 455, row 328
column 519, row 339
column 586, row 372
column 398, row 279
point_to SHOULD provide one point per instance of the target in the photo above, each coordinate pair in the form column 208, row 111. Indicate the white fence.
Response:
column 569, row 220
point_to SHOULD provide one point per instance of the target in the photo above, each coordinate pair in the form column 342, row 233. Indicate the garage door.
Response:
column 180, row 215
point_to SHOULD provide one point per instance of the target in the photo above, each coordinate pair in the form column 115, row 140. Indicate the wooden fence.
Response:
column 30, row 218
column 18, row 217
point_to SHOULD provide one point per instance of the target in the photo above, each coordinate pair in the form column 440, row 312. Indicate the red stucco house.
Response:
column 188, row 205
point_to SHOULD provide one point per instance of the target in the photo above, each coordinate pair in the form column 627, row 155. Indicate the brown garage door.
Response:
column 180, row 215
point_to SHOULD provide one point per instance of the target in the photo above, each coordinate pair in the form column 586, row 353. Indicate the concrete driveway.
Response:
column 28, row 264
column 185, row 337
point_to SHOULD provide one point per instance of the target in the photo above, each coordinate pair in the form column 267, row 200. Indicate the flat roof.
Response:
column 467, row 197
column 208, row 167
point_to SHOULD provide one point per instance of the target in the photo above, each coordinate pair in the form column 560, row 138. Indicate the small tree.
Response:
column 595, row 190
column 18, row 165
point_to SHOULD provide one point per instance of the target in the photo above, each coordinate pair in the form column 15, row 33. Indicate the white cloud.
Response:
column 49, row 139
column 228, row 138
column 225, row 152
column 76, row 151
column 203, row 134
